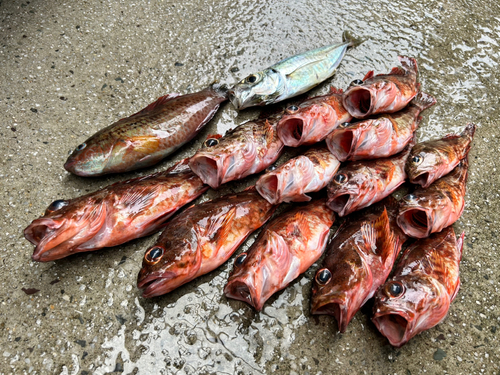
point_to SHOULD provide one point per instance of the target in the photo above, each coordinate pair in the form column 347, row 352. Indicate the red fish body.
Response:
column 383, row 93
column 313, row 119
column 148, row 136
column 381, row 137
column 431, row 160
column 427, row 211
column 304, row 174
column 285, row 248
column 200, row 239
column 418, row 296
column 359, row 259
column 245, row 150
column 114, row 215
column 362, row 183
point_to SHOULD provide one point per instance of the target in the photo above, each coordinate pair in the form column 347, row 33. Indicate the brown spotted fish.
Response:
column 431, row 160
column 383, row 93
column 148, row 136
column 285, row 248
column 379, row 137
column 200, row 239
column 361, row 183
column 114, row 215
column 425, row 282
column 359, row 259
column 427, row 211
column 304, row 174
column 313, row 119
column 245, row 150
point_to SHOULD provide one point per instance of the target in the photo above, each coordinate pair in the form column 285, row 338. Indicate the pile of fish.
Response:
column 363, row 149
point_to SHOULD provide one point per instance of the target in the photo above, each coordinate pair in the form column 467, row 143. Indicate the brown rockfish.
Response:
column 383, row 93
column 148, row 136
column 285, row 248
column 245, row 150
column 380, row 137
column 114, row 215
column 200, row 239
column 431, row 160
column 418, row 295
column 427, row 211
column 359, row 259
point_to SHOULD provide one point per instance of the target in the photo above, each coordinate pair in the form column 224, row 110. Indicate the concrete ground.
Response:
column 68, row 68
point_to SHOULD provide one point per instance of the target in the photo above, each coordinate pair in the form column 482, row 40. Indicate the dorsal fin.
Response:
column 160, row 101
column 379, row 238
column 397, row 71
column 334, row 90
column 299, row 226
column 409, row 64
column 368, row 75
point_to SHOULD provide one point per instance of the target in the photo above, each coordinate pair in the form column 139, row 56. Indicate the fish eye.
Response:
column 345, row 124
column 210, row 142
column 271, row 168
column 57, row 205
column 356, row 82
column 252, row 78
column 241, row 258
column 340, row 178
column 394, row 289
column 154, row 255
column 410, row 197
column 81, row 147
column 323, row 276
column 292, row 109
column 417, row 159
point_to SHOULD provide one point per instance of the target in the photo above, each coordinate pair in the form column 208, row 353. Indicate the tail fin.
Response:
column 423, row 101
column 469, row 130
column 347, row 37
column 408, row 63
column 220, row 89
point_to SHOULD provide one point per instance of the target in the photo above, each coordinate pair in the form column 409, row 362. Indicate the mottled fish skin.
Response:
column 201, row 239
column 290, row 77
column 304, row 174
column 312, row 120
column 418, row 295
column 114, row 215
column 383, row 93
column 249, row 148
column 285, row 248
column 427, row 211
column 358, row 260
column 433, row 159
column 380, row 137
column 148, row 136
column 361, row 183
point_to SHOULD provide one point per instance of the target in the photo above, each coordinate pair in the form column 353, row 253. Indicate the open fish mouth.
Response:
column 241, row 291
column 337, row 309
column 155, row 285
column 358, row 102
column 394, row 326
column 341, row 144
column 415, row 222
column 291, row 130
column 340, row 203
column 208, row 168
column 267, row 186
column 422, row 179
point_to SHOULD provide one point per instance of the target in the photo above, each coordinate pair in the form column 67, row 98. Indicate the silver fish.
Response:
column 292, row 76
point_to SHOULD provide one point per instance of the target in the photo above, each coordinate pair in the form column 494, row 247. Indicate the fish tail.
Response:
column 352, row 41
column 220, row 89
column 469, row 131
column 460, row 244
column 423, row 101
column 408, row 63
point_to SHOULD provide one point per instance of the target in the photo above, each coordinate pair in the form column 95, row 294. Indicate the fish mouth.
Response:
column 156, row 285
column 341, row 143
column 267, row 186
column 241, row 291
column 415, row 222
column 394, row 326
column 423, row 179
column 291, row 131
column 208, row 169
column 73, row 166
column 234, row 99
column 359, row 102
column 341, row 204
column 337, row 309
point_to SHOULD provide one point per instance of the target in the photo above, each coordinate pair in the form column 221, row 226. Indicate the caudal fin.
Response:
column 409, row 64
column 423, row 101
column 347, row 37
column 469, row 131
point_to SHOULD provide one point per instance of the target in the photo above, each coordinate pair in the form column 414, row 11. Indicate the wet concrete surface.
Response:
column 70, row 68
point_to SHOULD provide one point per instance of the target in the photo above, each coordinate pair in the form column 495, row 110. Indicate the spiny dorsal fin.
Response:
column 368, row 75
column 379, row 238
column 409, row 64
column 397, row 71
column 334, row 90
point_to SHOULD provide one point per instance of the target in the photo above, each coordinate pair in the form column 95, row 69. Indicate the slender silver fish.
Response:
column 292, row 76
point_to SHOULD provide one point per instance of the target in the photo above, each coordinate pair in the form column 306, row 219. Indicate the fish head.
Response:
column 169, row 264
column 345, row 139
column 423, row 164
column 408, row 305
column 90, row 158
column 257, row 89
column 419, row 212
column 65, row 228
column 300, row 120
column 346, row 189
column 258, row 271
column 362, row 99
